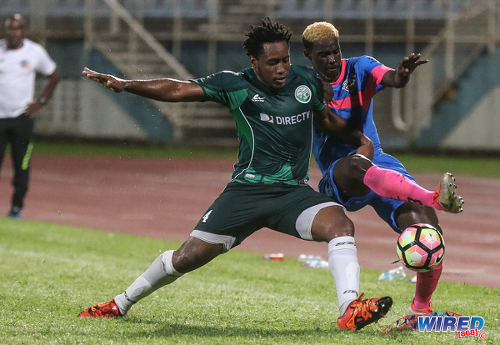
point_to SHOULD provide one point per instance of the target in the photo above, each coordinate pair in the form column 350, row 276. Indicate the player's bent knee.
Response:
column 195, row 253
column 330, row 223
column 409, row 214
column 307, row 221
column 360, row 163
column 349, row 173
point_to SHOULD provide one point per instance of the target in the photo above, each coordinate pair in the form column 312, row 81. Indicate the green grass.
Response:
column 50, row 272
column 128, row 150
column 480, row 166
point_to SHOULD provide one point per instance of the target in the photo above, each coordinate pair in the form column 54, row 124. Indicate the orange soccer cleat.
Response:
column 360, row 312
column 416, row 311
column 104, row 309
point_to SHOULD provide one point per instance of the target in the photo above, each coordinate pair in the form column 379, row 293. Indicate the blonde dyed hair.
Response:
column 318, row 31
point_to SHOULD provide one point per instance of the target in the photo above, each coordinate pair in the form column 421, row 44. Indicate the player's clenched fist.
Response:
column 107, row 80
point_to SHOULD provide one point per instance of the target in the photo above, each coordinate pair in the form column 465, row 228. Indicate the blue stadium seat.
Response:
column 350, row 9
column 65, row 8
column 194, row 8
column 301, row 9
column 15, row 6
column 288, row 9
column 158, row 8
column 313, row 9
column 165, row 8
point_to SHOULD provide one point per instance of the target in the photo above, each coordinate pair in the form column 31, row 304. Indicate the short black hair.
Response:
column 14, row 17
column 267, row 32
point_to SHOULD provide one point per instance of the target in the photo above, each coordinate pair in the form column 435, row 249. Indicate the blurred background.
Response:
column 451, row 103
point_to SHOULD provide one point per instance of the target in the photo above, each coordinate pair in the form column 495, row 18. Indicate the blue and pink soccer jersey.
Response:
column 353, row 91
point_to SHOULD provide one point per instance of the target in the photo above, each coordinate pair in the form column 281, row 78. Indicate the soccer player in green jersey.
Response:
column 274, row 105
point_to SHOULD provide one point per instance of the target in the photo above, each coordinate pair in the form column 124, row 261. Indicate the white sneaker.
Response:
column 446, row 195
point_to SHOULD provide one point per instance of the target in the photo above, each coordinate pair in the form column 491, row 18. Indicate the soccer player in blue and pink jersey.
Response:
column 352, row 179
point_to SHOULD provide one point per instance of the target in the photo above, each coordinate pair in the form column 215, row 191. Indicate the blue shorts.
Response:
column 384, row 207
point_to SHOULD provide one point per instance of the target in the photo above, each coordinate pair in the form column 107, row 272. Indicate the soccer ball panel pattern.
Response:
column 420, row 247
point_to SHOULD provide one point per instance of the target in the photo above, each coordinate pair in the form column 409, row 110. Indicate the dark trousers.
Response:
column 18, row 132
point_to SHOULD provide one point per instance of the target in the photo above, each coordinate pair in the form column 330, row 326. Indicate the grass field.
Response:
column 129, row 150
column 50, row 272
column 474, row 165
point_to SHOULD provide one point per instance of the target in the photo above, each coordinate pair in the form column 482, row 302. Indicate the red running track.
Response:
column 164, row 198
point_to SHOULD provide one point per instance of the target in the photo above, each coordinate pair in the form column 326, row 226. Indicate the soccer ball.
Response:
column 420, row 247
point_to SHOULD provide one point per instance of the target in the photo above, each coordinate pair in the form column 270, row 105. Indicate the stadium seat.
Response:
column 16, row 6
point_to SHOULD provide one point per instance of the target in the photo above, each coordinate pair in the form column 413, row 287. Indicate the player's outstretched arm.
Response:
column 337, row 126
column 164, row 89
column 401, row 76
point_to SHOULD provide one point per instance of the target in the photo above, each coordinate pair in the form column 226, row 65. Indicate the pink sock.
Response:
column 426, row 284
column 394, row 185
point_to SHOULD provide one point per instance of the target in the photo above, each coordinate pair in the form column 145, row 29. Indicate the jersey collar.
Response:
column 21, row 44
column 342, row 74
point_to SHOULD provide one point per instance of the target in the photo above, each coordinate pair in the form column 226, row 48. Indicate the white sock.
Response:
column 160, row 273
column 343, row 263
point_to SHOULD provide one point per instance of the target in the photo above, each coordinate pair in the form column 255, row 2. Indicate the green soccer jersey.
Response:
column 274, row 125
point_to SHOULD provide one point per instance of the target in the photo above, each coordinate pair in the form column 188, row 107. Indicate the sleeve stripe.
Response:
column 378, row 73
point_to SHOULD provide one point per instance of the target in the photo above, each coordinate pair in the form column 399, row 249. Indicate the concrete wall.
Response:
column 470, row 120
column 91, row 114
column 84, row 109
column 480, row 129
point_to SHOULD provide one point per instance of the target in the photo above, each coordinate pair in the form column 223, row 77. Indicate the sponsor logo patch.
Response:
column 303, row 94
column 286, row 120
